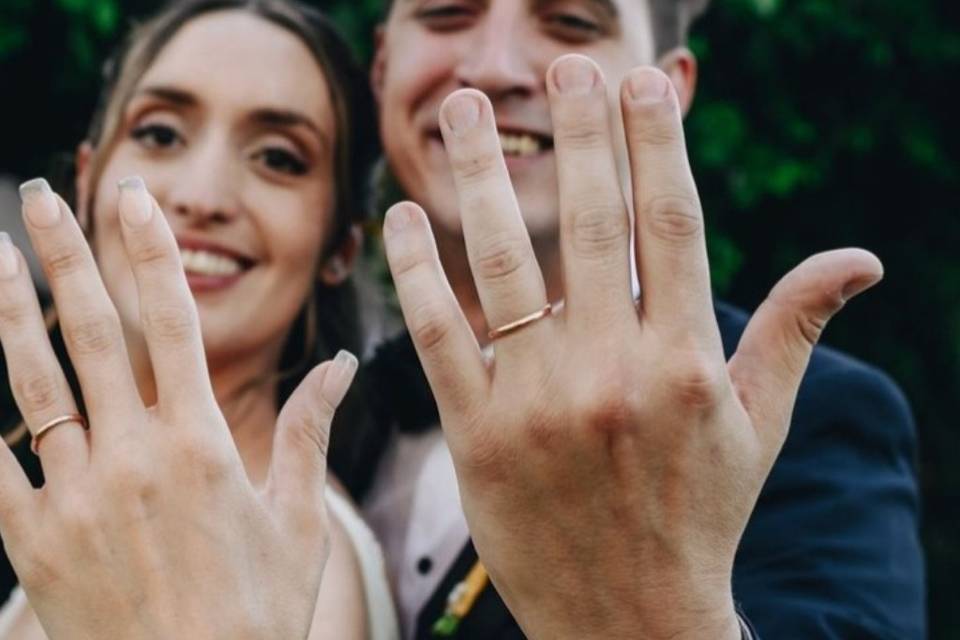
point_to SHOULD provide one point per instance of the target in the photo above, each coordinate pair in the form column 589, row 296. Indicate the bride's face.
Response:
column 233, row 131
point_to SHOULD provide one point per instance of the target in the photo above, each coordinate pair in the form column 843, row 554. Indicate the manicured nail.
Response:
column 399, row 217
column 9, row 263
column 647, row 86
column 341, row 374
column 40, row 206
column 462, row 112
column 136, row 205
column 575, row 75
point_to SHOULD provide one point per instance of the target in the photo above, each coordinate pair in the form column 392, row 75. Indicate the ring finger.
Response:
column 91, row 327
column 36, row 378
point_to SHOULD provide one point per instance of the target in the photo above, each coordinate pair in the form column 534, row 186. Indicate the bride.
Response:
column 247, row 122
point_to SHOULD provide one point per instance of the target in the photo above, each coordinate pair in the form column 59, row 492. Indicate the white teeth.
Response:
column 519, row 145
column 205, row 263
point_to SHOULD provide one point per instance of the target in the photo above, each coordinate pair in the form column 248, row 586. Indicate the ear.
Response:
column 338, row 266
column 379, row 67
column 681, row 66
column 82, row 184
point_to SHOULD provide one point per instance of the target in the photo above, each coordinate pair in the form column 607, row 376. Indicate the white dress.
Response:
column 381, row 614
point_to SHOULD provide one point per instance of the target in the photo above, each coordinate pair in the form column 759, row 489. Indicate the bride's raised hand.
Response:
column 147, row 526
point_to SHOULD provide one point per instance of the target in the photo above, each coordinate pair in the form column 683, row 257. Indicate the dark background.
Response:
column 818, row 124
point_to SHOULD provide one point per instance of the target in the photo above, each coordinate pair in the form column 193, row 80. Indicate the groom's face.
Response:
column 429, row 48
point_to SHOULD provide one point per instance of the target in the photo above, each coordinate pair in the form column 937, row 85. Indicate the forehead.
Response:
column 241, row 60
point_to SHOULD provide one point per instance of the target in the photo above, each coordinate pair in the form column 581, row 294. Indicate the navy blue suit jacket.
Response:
column 831, row 550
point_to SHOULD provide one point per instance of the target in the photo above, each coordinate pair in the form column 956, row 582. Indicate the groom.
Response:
column 609, row 463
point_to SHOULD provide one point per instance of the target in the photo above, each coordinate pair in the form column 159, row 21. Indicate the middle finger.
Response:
column 594, row 226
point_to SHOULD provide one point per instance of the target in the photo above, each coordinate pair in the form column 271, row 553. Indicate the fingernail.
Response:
column 136, row 205
column 647, row 86
column 40, row 206
column 9, row 264
column 575, row 75
column 341, row 374
column 856, row 287
column 399, row 217
column 462, row 112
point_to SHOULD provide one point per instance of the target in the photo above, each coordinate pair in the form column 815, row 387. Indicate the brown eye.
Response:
column 573, row 27
column 155, row 136
column 281, row 160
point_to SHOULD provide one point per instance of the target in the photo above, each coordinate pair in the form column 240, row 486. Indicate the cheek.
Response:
column 418, row 75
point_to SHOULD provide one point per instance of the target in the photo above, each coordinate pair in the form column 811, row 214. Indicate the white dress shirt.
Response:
column 414, row 508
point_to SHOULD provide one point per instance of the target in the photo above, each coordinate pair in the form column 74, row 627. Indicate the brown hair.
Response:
column 671, row 20
column 329, row 319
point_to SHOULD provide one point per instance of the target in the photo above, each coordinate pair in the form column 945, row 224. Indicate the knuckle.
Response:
column 500, row 257
column 93, row 335
column 13, row 311
column 38, row 392
column 608, row 409
column 674, row 219
column 810, row 327
column 698, row 382
column 584, row 134
column 66, row 261
column 152, row 252
column 202, row 456
column 430, row 324
column 655, row 124
column 126, row 476
column 176, row 323
column 309, row 429
column 597, row 228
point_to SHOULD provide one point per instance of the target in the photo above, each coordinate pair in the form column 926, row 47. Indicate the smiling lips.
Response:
column 210, row 269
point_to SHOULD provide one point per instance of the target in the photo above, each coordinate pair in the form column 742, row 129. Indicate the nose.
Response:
column 498, row 62
column 204, row 191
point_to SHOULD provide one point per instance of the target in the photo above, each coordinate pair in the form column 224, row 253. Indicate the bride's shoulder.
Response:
column 359, row 552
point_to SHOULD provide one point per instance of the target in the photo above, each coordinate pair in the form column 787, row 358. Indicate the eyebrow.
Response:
column 607, row 6
column 268, row 116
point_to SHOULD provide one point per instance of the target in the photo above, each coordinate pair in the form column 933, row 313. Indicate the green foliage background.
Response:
column 818, row 124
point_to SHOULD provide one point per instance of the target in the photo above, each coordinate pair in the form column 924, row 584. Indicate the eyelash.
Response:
column 162, row 137
column 149, row 134
column 281, row 160
column 568, row 21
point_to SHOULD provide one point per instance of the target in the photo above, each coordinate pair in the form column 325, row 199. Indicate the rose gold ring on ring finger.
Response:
column 516, row 325
column 53, row 424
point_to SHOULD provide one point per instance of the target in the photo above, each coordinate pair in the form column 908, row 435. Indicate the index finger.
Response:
column 671, row 247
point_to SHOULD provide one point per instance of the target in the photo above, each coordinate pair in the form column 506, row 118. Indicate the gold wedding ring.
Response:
column 52, row 424
column 516, row 325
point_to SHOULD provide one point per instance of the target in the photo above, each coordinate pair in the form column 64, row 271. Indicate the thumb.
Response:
column 775, row 348
column 297, row 477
